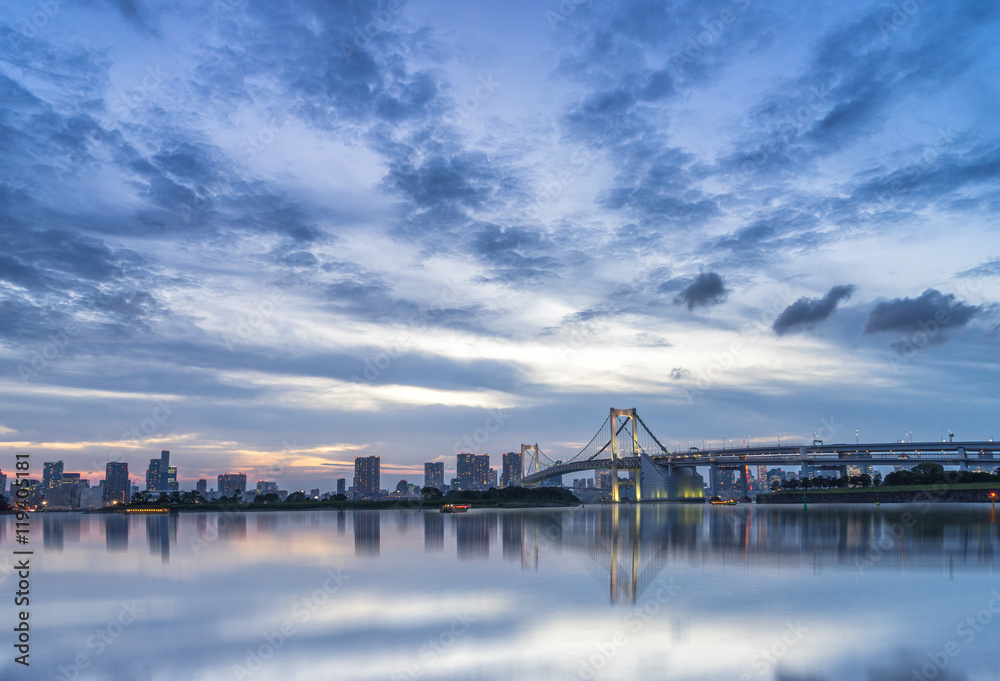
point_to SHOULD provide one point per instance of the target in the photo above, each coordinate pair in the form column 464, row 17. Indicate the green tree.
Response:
column 431, row 493
column 295, row 496
column 138, row 498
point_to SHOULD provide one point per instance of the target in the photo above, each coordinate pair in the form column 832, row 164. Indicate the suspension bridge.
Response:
column 625, row 443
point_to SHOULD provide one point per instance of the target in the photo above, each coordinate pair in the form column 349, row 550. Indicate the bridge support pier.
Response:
column 963, row 460
column 713, row 480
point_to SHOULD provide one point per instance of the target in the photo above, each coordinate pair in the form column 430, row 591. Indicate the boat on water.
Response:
column 454, row 508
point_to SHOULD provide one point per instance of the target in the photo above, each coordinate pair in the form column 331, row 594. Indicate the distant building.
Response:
column 314, row 493
column 491, row 480
column 164, row 469
column 69, row 490
column 513, row 469
column 342, row 486
column 116, row 483
column 201, row 486
column 51, row 476
column 434, row 475
column 267, row 487
column 473, row 471
column 402, row 487
column 153, row 475
column 229, row 483
column 172, row 479
column 602, row 478
column 3, row 484
column 367, row 476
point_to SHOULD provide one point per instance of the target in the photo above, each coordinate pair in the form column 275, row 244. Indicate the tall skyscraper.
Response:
column 367, row 477
column 153, row 475
column 230, row 482
column 3, row 484
column 172, row 479
column 473, row 471
column 201, row 486
column 116, row 482
column 513, row 469
column 602, row 479
column 434, row 475
column 164, row 469
column 342, row 486
column 52, row 472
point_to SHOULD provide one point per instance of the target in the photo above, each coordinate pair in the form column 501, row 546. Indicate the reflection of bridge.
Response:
column 628, row 444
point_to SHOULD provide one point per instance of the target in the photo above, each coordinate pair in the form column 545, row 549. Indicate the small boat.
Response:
column 454, row 508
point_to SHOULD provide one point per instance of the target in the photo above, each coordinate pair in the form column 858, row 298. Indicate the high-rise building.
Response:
column 602, row 478
column 367, row 476
column 267, row 487
column 201, row 486
column 153, row 475
column 513, row 469
column 172, row 479
column 474, row 471
column 116, row 482
column 3, row 484
column 342, row 486
column 434, row 475
column 229, row 483
column 69, row 491
column 52, row 473
column 164, row 469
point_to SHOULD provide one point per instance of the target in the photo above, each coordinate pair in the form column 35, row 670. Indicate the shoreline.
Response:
column 942, row 493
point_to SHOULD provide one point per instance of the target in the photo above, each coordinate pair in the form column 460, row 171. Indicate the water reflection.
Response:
column 367, row 534
column 161, row 534
column 116, row 531
column 678, row 579
column 433, row 532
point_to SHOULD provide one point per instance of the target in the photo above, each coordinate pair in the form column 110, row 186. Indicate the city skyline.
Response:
column 372, row 232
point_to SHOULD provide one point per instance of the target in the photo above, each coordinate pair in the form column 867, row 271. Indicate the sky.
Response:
column 273, row 236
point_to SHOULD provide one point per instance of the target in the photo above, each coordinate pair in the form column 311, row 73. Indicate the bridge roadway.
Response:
column 817, row 456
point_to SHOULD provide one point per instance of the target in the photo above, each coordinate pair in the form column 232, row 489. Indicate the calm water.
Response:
column 677, row 592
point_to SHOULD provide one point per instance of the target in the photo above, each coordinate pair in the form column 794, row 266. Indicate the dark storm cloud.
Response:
column 932, row 312
column 706, row 290
column 807, row 312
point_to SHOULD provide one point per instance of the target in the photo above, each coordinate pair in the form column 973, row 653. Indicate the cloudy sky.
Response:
column 273, row 236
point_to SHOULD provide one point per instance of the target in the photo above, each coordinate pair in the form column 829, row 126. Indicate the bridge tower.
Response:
column 532, row 450
column 616, row 455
